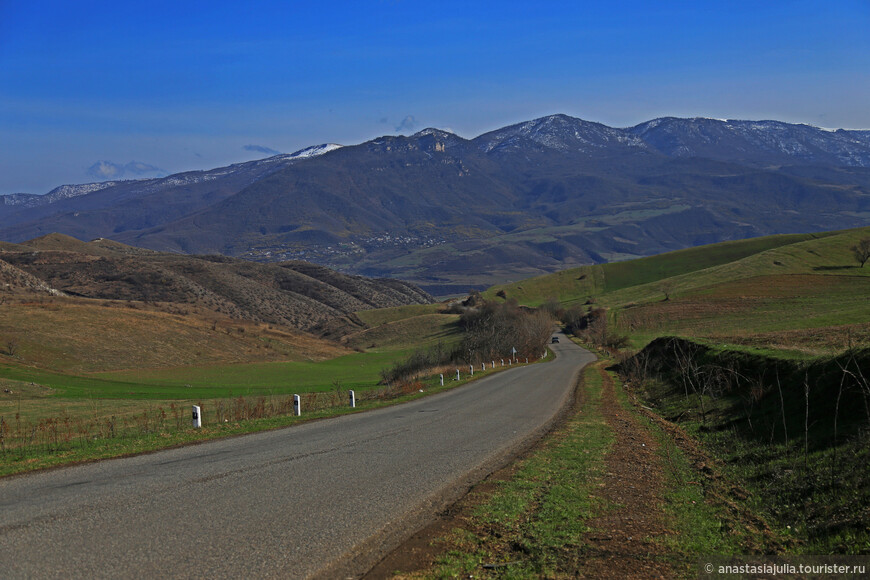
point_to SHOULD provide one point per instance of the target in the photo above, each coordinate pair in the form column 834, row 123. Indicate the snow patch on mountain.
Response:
column 559, row 132
column 747, row 140
column 439, row 133
column 313, row 151
column 26, row 200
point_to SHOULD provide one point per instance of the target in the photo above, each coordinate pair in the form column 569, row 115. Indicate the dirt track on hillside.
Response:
column 624, row 541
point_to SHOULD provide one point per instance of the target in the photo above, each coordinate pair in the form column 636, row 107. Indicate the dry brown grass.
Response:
column 76, row 335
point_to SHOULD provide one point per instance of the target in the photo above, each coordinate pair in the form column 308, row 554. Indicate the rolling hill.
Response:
column 76, row 305
column 799, row 295
column 296, row 294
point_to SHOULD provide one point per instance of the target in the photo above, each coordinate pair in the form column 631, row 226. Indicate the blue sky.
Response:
column 91, row 90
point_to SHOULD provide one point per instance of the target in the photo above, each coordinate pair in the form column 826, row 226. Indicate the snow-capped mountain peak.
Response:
column 760, row 142
column 437, row 133
column 313, row 151
column 560, row 132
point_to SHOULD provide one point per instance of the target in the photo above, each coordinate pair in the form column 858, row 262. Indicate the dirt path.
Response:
column 623, row 540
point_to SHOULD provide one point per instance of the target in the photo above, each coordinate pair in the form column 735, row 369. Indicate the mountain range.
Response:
column 449, row 213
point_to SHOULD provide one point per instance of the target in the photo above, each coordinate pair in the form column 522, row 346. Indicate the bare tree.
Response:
column 690, row 373
column 666, row 287
column 861, row 251
column 11, row 347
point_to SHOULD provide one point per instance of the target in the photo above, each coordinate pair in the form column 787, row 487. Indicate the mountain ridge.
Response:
column 451, row 213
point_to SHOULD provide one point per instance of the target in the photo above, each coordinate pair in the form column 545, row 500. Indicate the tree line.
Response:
column 490, row 331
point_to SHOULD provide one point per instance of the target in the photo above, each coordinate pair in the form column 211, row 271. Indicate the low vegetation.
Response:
column 796, row 431
column 490, row 331
column 760, row 352
column 612, row 493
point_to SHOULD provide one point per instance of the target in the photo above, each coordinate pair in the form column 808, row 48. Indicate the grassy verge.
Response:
column 532, row 526
column 537, row 523
column 792, row 434
column 702, row 505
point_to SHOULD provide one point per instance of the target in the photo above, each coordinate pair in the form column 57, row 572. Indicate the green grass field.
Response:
column 358, row 370
column 801, row 294
column 115, row 371
column 578, row 284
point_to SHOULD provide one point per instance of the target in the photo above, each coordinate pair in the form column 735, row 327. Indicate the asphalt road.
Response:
column 325, row 498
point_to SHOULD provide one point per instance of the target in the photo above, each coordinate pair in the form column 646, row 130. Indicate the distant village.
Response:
column 330, row 252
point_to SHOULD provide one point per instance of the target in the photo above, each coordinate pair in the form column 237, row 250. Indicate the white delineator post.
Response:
column 483, row 366
column 352, row 399
column 442, row 379
column 457, row 374
column 471, row 368
column 197, row 416
column 297, row 405
column 502, row 362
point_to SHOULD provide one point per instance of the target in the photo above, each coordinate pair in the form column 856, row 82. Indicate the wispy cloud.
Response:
column 111, row 170
column 261, row 149
column 139, row 168
column 409, row 123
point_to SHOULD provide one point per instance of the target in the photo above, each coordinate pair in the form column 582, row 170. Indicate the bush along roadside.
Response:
column 492, row 334
column 793, row 433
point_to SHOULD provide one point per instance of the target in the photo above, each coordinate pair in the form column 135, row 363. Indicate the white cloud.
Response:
column 107, row 170
column 408, row 124
column 261, row 149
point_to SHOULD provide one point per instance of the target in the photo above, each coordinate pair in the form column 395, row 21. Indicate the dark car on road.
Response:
column 555, row 339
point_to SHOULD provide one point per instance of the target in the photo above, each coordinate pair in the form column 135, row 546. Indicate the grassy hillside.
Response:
column 83, row 378
column 101, row 340
column 768, row 371
column 578, row 284
column 799, row 293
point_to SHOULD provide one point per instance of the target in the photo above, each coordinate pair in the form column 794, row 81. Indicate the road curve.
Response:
column 324, row 498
